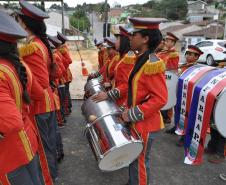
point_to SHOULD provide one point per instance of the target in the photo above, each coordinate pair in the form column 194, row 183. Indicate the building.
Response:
column 198, row 11
column 211, row 32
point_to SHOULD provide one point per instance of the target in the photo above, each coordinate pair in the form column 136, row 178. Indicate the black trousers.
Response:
column 217, row 142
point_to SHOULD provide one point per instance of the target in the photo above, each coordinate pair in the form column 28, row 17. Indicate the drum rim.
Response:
column 118, row 146
column 90, row 124
column 214, row 110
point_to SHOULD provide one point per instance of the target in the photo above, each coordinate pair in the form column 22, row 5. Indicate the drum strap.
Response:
column 200, row 114
column 185, row 91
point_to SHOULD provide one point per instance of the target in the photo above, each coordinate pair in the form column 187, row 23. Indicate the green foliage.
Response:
column 170, row 9
column 80, row 21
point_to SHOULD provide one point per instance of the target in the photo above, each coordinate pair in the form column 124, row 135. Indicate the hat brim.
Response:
column 133, row 30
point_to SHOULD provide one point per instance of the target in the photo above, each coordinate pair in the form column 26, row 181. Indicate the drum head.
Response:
column 120, row 156
column 171, row 83
column 220, row 114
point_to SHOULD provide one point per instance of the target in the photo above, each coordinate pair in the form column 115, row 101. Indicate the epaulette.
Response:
column 2, row 76
column 27, row 49
column 154, row 65
column 129, row 58
column 62, row 50
column 173, row 55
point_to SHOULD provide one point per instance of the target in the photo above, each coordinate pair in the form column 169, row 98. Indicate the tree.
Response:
column 80, row 21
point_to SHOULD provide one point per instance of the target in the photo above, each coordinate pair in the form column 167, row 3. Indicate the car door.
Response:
column 206, row 47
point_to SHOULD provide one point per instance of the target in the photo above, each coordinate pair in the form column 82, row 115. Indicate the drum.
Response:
column 99, row 109
column 219, row 114
column 171, row 82
column 92, row 87
column 114, row 146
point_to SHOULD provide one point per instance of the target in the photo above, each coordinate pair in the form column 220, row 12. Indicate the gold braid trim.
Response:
column 27, row 49
column 2, row 76
column 173, row 55
column 152, row 68
column 129, row 59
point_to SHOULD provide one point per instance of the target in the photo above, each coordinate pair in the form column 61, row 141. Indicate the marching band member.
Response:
column 55, row 78
column 37, row 54
column 107, row 70
column 18, row 140
column 102, row 54
column 60, row 79
column 171, row 58
column 122, row 70
column 192, row 54
column 68, row 75
column 147, row 94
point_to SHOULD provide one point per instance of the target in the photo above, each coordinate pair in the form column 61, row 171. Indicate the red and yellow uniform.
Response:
column 121, row 77
column 102, row 57
column 111, row 67
column 35, row 55
column 67, row 61
column 146, row 99
column 108, row 68
column 147, row 94
column 170, row 57
column 15, row 125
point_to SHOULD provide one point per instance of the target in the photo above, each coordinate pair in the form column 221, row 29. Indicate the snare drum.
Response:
column 171, row 83
column 219, row 114
column 113, row 145
column 92, row 87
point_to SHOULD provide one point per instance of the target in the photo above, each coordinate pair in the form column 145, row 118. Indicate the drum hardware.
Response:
column 218, row 113
column 112, row 143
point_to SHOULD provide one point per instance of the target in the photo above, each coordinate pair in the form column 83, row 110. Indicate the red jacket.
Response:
column 35, row 55
column 67, row 61
column 170, row 57
column 20, row 143
column 149, row 95
column 121, row 77
column 107, row 70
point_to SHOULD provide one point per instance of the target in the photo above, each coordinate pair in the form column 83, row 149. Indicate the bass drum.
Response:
column 114, row 146
column 219, row 114
column 171, row 83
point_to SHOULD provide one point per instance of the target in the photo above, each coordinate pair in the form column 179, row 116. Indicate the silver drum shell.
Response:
column 113, row 145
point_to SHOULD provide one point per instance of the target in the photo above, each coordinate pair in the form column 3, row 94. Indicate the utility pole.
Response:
column 106, row 17
column 225, row 30
column 63, row 28
column 43, row 5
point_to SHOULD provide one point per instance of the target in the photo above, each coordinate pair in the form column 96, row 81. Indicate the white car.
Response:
column 213, row 51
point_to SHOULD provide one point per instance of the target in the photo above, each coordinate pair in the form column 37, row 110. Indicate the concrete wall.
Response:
column 193, row 39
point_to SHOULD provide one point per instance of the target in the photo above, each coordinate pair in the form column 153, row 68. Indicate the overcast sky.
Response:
column 74, row 3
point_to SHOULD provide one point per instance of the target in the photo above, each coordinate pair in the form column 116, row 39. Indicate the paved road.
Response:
column 79, row 166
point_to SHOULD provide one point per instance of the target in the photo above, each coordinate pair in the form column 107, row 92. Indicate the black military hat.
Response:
column 171, row 36
column 110, row 42
column 141, row 23
column 194, row 49
column 32, row 11
column 10, row 30
column 99, row 43
column 124, row 31
column 62, row 37
column 51, row 45
column 54, row 40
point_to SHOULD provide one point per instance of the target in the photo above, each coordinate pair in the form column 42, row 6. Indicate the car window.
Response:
column 199, row 44
column 204, row 44
column 207, row 44
column 222, row 44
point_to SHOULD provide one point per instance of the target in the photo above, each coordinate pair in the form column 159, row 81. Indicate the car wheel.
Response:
column 210, row 60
